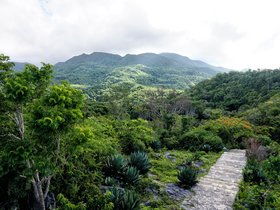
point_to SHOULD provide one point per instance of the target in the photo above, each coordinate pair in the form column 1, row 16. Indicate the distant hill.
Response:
column 19, row 66
column 165, row 69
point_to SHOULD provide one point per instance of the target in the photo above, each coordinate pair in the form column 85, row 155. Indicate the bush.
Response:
column 200, row 139
column 109, row 181
column 115, row 166
column 253, row 172
column 140, row 161
column 187, row 177
column 131, row 175
column 135, row 135
column 156, row 145
column 272, row 168
column 125, row 200
column 230, row 129
column 130, row 201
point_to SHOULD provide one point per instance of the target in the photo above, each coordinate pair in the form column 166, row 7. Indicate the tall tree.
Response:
column 40, row 114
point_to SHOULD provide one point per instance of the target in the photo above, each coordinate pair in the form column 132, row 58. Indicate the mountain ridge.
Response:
column 169, row 70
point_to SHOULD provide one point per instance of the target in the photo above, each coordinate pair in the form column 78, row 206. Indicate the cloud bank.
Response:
column 235, row 34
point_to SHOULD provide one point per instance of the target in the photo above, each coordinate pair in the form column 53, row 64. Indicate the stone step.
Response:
column 218, row 185
column 217, row 190
column 221, row 182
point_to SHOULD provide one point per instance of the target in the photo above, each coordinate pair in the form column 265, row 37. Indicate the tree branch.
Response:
column 47, row 186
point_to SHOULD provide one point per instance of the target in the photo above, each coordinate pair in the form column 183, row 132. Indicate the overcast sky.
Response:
column 236, row 34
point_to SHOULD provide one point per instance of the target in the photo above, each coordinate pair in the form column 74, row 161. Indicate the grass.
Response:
column 165, row 170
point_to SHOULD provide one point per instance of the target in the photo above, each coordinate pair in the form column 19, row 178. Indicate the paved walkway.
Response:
column 217, row 190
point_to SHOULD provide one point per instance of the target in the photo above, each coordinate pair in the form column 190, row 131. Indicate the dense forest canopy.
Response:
column 119, row 139
column 238, row 90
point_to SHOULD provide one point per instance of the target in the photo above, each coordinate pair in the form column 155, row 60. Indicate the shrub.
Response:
column 230, row 129
column 130, row 201
column 140, row 161
column 125, row 200
column 200, row 139
column 272, row 168
column 131, row 175
column 109, row 181
column 65, row 204
column 187, row 177
column 156, row 145
column 255, row 150
column 115, row 165
column 135, row 135
column 253, row 172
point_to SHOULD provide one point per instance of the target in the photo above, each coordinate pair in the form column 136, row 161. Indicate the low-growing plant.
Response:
column 125, row 200
column 187, row 177
column 272, row 168
column 200, row 139
column 131, row 175
column 130, row 201
column 109, row 181
column 156, row 145
column 140, row 161
column 253, row 172
column 115, row 165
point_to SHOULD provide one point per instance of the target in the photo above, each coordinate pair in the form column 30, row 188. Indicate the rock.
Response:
column 175, row 192
column 169, row 156
column 198, row 164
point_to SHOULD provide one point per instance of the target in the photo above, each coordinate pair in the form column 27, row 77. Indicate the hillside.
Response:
column 164, row 70
column 238, row 90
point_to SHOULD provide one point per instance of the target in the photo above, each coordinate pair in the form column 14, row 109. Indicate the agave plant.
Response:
column 115, row 166
column 131, row 175
column 130, row 201
column 109, row 181
column 187, row 176
column 140, row 161
column 117, row 197
column 124, row 200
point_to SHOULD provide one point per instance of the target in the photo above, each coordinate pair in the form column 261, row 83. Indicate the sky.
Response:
column 235, row 34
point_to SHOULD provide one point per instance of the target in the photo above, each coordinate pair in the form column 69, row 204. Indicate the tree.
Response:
column 40, row 114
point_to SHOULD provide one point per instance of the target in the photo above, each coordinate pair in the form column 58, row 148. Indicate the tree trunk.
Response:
column 37, row 183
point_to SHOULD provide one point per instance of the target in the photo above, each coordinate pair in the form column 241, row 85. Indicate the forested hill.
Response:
column 165, row 69
column 237, row 91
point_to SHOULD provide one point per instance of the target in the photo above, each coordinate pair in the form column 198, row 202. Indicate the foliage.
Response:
column 161, row 70
column 187, row 176
column 125, row 200
column 267, row 115
column 140, row 161
column 115, row 166
column 253, row 172
column 238, row 90
column 260, row 188
column 231, row 130
column 200, row 139
column 166, row 171
column 257, row 197
column 131, row 176
column 134, row 135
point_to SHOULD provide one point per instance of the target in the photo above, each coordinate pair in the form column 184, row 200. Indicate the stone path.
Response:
column 217, row 190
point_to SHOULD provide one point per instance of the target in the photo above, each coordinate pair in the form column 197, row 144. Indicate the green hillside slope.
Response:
column 164, row 70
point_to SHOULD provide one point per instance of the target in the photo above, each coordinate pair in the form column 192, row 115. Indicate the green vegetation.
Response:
column 116, row 138
column 238, row 90
column 187, row 176
column 148, row 69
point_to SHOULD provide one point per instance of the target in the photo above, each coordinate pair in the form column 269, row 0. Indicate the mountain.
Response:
column 19, row 66
column 166, row 69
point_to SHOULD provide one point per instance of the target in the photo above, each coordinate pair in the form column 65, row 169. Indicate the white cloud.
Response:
column 235, row 34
